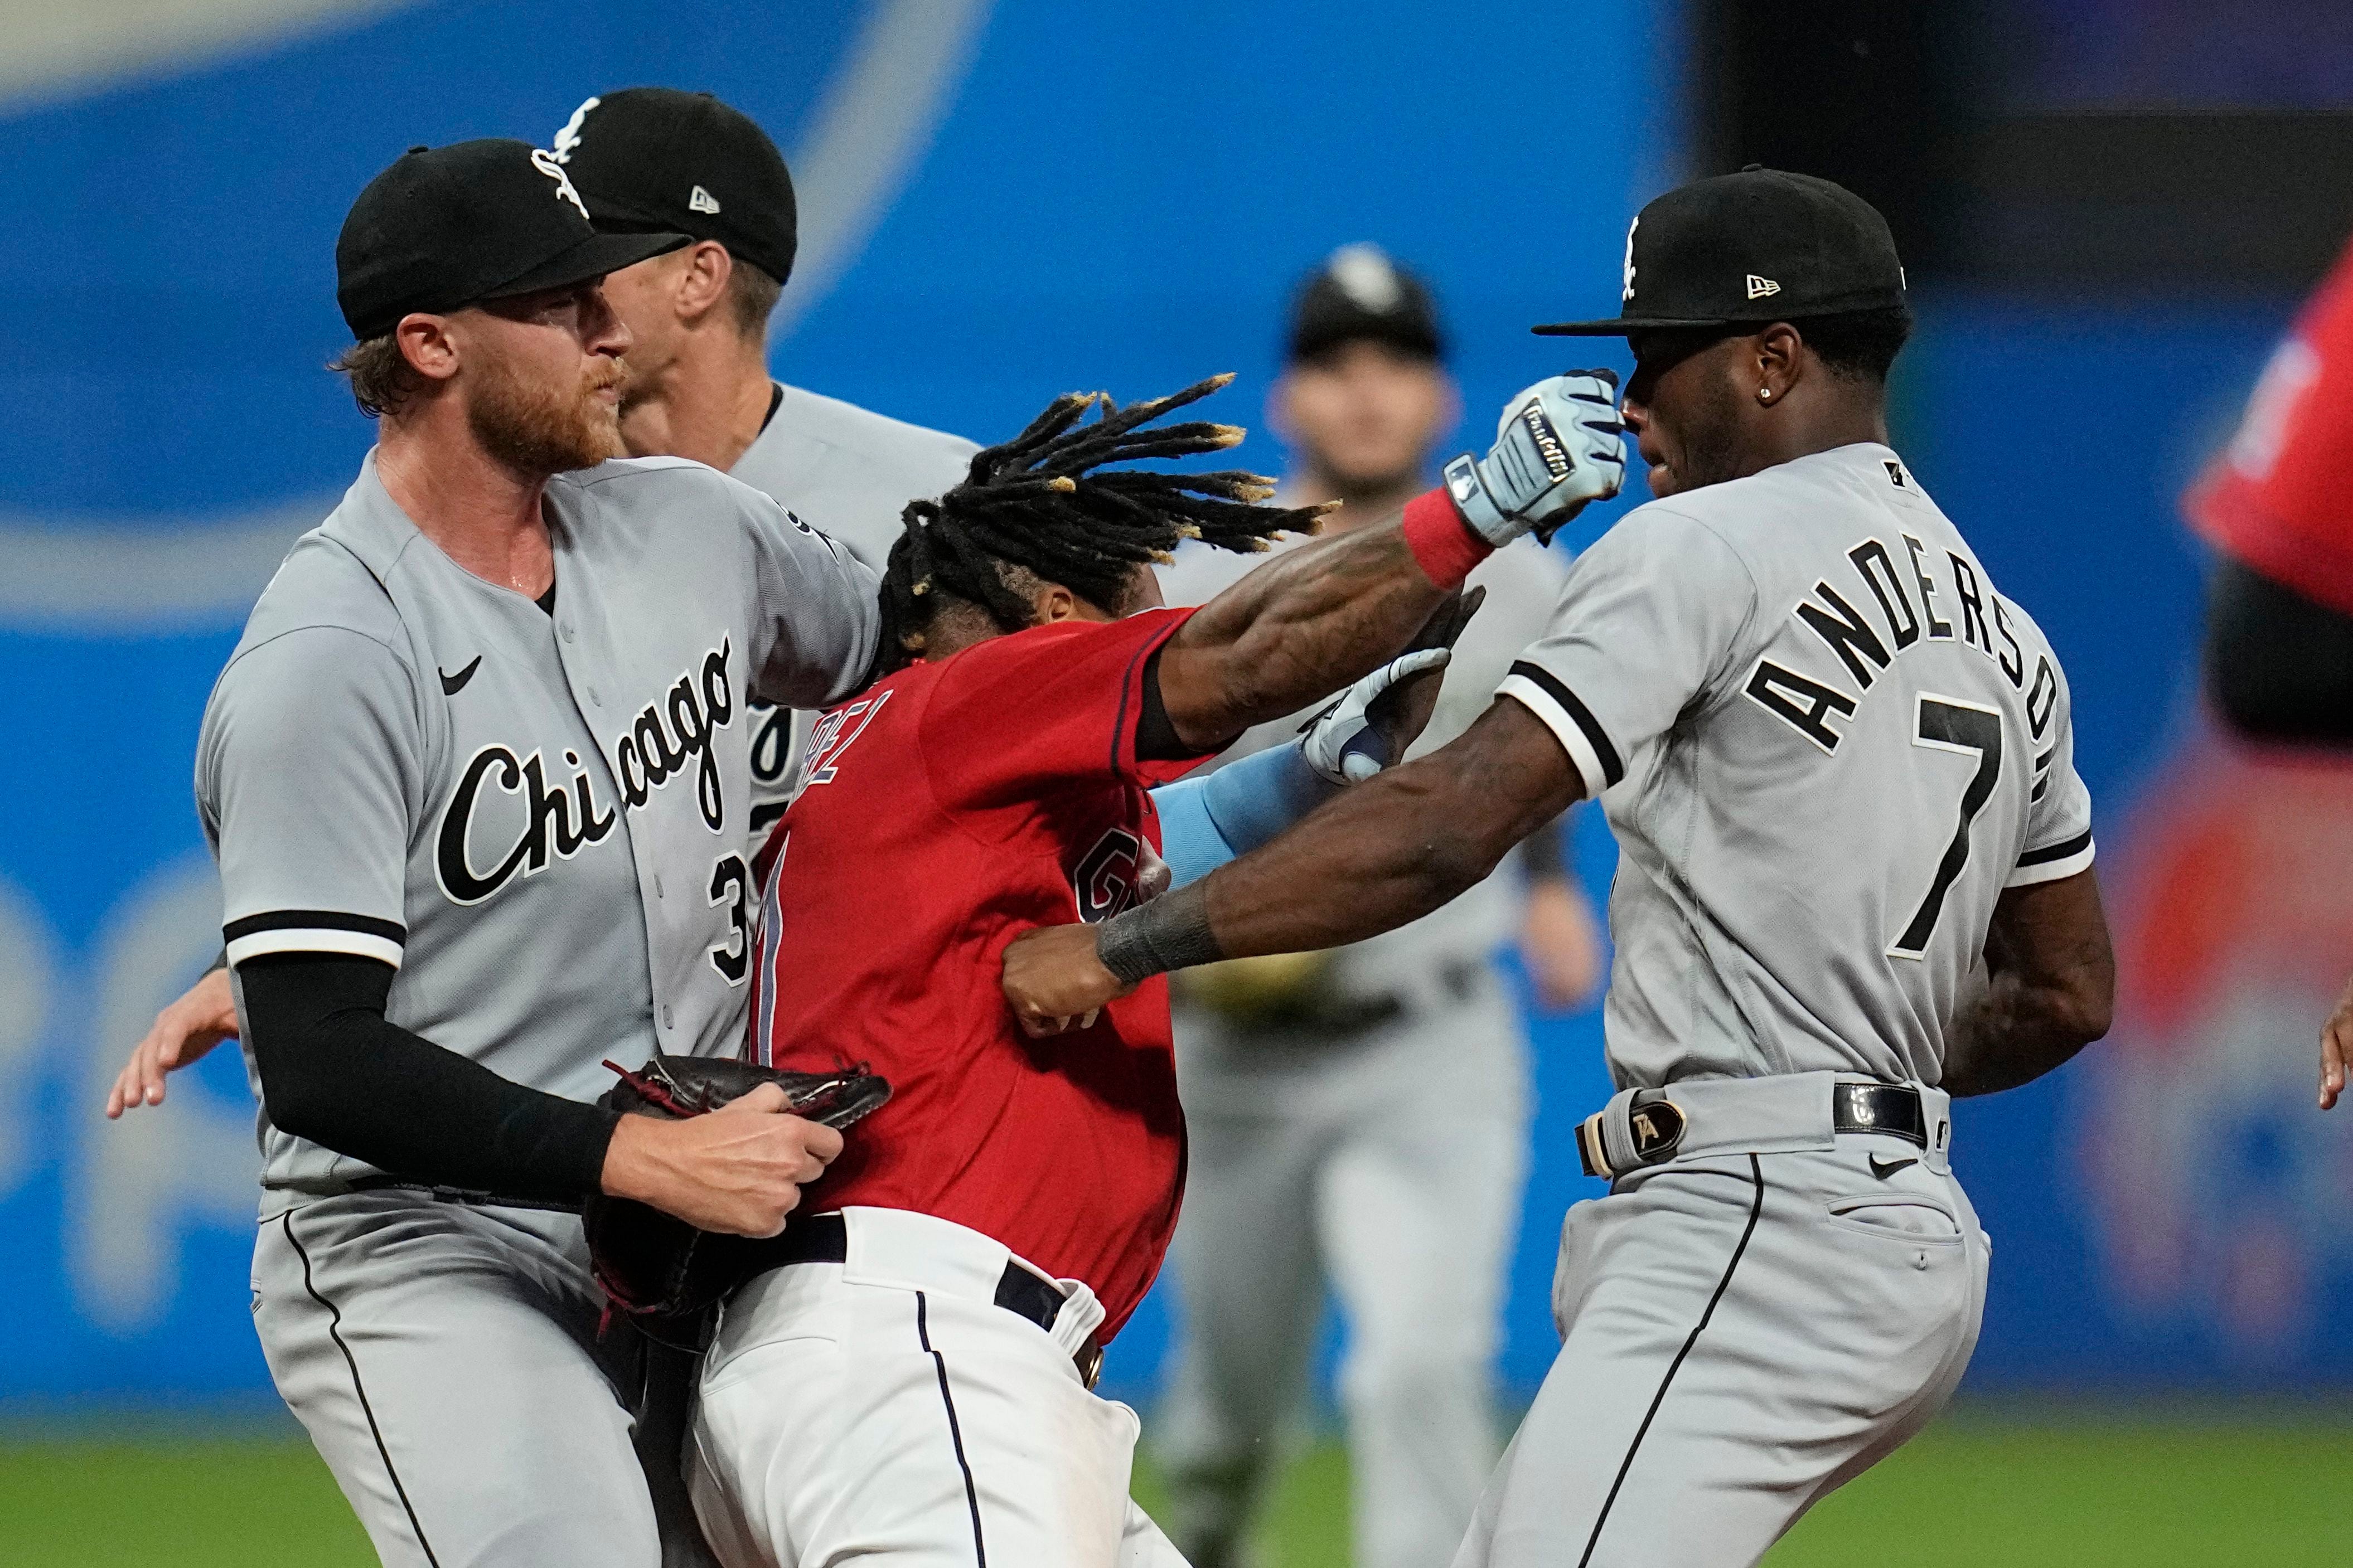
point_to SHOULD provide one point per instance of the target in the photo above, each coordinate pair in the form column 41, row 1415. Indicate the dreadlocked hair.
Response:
column 1042, row 509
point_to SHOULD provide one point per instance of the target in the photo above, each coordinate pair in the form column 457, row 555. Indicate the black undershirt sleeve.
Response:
column 336, row 1070
column 1156, row 733
column 2279, row 665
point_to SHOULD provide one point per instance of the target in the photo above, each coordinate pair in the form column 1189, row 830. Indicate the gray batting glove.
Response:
column 1560, row 444
column 1345, row 742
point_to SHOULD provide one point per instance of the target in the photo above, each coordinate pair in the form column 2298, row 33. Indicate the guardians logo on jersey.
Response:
column 668, row 737
column 1120, row 872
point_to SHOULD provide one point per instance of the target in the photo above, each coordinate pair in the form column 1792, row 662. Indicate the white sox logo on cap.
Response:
column 548, row 164
column 1627, row 294
column 569, row 137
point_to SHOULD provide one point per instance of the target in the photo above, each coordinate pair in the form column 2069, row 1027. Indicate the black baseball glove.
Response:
column 658, row 1270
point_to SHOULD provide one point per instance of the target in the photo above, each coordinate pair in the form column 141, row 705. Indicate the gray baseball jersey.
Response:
column 537, row 819
column 1826, row 744
column 852, row 472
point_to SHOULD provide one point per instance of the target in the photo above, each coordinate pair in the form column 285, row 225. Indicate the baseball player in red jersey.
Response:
column 2277, row 506
column 912, row 1382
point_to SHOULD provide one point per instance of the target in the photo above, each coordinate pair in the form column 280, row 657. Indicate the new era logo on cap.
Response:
column 1748, row 249
column 699, row 200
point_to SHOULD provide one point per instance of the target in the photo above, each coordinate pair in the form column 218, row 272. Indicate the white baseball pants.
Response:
column 885, row 1411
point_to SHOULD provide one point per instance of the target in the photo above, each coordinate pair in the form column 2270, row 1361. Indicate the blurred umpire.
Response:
column 654, row 160
column 1317, row 1150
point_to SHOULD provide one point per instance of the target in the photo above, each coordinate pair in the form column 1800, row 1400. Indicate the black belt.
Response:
column 1892, row 1109
column 1646, row 1127
column 825, row 1239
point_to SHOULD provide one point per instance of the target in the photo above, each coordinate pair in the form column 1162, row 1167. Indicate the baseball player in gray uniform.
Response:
column 1856, row 880
column 1292, row 1069
column 654, row 160
column 476, row 777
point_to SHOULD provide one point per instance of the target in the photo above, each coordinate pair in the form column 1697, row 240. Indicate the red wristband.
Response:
column 1442, row 542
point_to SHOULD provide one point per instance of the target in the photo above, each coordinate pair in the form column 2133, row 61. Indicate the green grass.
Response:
column 1980, row 1489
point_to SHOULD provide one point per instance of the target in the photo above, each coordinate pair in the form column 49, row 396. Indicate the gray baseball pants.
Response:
column 1391, row 1162
column 445, row 1361
column 1742, row 1332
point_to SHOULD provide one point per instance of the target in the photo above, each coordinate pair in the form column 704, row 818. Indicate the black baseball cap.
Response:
column 1749, row 248
column 445, row 228
column 650, row 159
column 1358, row 294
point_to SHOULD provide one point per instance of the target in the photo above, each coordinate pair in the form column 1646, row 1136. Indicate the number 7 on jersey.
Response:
column 1948, row 724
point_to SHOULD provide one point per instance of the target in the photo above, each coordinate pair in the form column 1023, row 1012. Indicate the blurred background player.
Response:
column 1294, row 1069
column 658, row 161
column 2277, row 506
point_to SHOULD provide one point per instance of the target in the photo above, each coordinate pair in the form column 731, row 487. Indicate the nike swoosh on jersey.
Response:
column 1884, row 1169
column 453, row 684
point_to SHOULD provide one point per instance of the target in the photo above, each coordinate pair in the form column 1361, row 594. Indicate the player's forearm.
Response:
column 334, row 1071
column 2014, row 1034
column 1299, row 628
column 1208, row 820
column 2051, row 989
column 1387, row 851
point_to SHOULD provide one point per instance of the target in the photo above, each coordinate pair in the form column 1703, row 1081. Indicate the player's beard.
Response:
column 535, row 428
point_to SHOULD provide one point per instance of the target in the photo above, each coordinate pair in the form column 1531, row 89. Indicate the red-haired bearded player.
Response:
column 910, row 1383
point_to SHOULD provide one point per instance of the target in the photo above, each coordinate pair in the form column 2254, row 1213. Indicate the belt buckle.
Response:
column 1638, row 1127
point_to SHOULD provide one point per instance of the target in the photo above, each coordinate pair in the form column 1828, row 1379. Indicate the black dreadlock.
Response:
column 1036, row 507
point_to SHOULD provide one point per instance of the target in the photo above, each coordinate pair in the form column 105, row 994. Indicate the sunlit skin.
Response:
column 1705, row 409
column 698, row 386
column 484, row 510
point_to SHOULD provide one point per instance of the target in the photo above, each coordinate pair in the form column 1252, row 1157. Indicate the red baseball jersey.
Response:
column 949, row 808
column 2280, row 498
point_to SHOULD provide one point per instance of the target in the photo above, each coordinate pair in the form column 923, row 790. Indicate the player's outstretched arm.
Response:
column 1303, row 626
column 1208, row 819
column 1388, row 851
column 2051, row 988
column 336, row 1070
column 201, row 1018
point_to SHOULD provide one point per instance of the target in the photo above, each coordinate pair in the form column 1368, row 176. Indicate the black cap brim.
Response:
column 593, row 256
column 1620, row 326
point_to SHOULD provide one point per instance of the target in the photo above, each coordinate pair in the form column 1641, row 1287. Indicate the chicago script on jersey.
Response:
column 668, row 736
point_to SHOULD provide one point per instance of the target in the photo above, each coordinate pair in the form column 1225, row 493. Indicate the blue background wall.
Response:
column 1115, row 197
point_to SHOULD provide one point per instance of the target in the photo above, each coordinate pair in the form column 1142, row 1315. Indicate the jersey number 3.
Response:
column 1946, row 725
